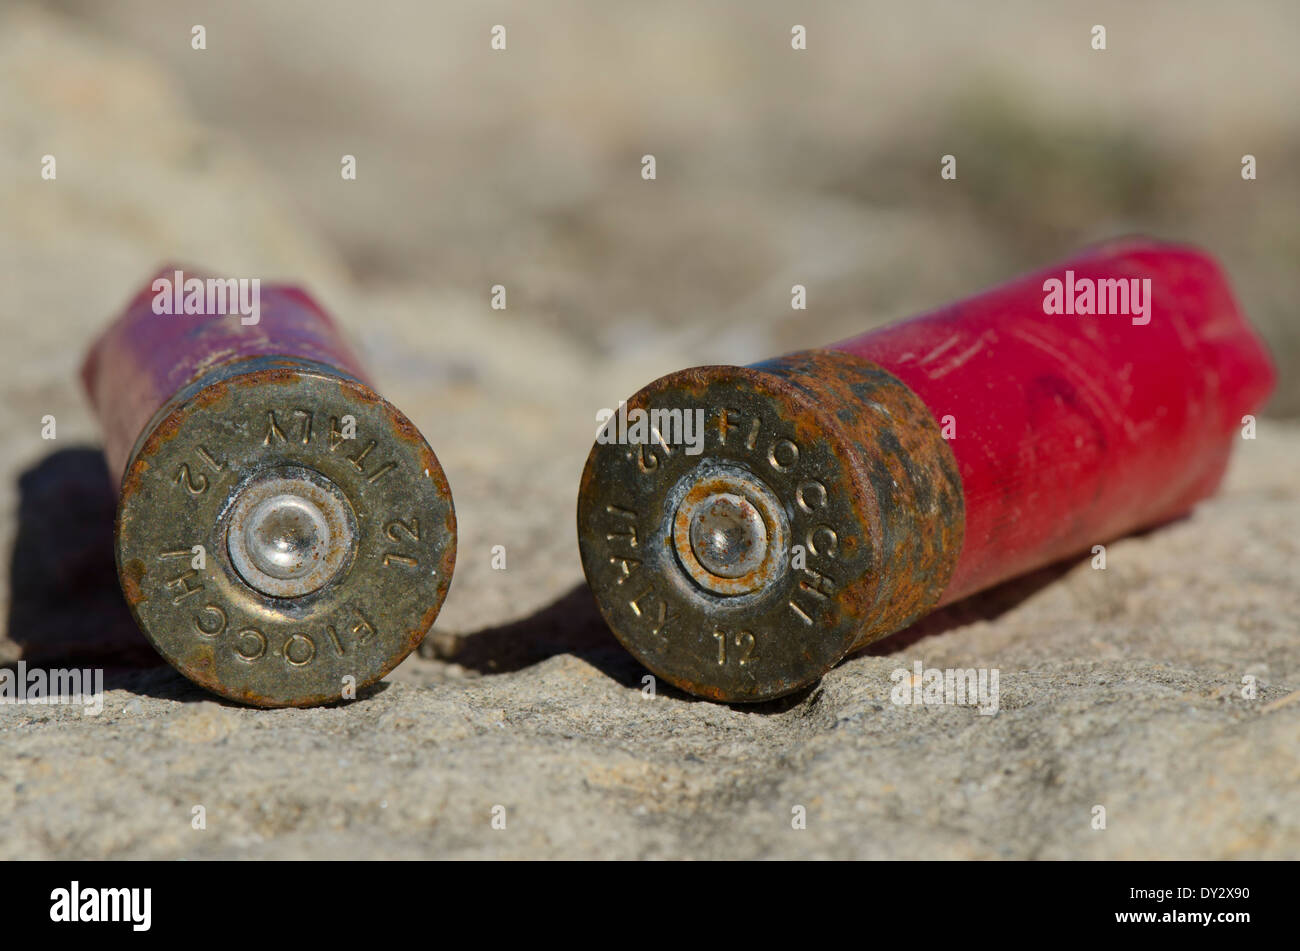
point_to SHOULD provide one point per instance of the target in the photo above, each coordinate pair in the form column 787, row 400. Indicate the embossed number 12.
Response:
column 743, row 644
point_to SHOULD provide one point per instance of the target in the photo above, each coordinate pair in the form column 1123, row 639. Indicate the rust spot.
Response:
column 912, row 486
column 133, row 573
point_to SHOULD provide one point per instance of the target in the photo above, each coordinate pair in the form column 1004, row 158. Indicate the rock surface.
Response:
column 1120, row 688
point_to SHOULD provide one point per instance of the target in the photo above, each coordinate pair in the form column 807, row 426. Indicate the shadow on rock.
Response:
column 985, row 606
column 573, row 625
column 570, row 625
column 65, row 604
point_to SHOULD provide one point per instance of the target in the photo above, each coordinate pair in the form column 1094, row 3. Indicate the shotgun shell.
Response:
column 839, row 494
column 284, row 535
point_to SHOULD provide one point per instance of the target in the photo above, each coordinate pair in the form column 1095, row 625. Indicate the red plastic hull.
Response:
column 1070, row 430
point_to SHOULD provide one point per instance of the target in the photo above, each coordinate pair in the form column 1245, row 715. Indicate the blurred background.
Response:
column 522, row 167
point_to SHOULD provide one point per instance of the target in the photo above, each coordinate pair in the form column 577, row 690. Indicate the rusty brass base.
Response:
column 823, row 512
column 284, row 535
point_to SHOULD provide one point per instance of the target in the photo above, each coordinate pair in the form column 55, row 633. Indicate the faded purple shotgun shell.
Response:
column 284, row 535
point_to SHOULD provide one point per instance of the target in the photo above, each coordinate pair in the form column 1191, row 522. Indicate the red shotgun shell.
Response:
column 284, row 535
column 765, row 521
